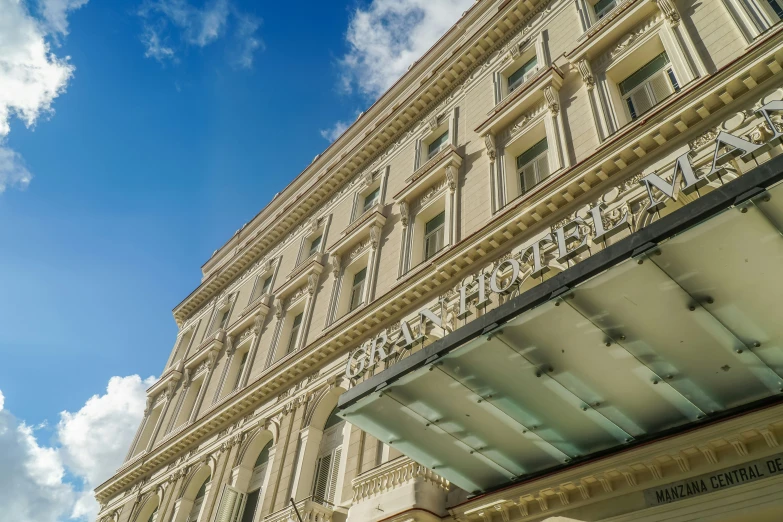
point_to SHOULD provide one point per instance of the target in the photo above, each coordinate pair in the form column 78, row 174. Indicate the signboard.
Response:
column 715, row 481
column 569, row 240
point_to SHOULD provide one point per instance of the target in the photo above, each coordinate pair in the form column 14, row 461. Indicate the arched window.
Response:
column 327, row 467
column 153, row 516
column 198, row 502
column 256, row 483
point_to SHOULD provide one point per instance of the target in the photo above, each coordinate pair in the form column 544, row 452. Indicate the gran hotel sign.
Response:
column 569, row 241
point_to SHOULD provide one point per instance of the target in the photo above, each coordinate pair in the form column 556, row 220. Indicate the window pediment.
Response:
column 311, row 266
column 207, row 348
column 612, row 29
column 359, row 230
column 438, row 168
column 521, row 100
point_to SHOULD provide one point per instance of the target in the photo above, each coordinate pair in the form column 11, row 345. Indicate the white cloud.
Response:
column 36, row 483
column 387, row 36
column 336, row 131
column 96, row 438
column 31, row 75
column 167, row 20
column 2, row 400
column 56, row 13
column 31, row 476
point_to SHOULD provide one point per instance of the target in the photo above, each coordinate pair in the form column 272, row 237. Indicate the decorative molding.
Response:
column 404, row 213
column 586, row 72
column 392, row 475
column 489, row 143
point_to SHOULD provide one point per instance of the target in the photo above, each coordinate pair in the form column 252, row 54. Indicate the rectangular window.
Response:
column 435, row 147
column 357, row 290
column 647, row 87
column 371, row 199
column 263, row 287
column 533, row 166
column 240, row 370
column 315, row 245
column 777, row 7
column 603, row 7
column 523, row 74
column 326, row 474
column 434, row 233
column 294, row 333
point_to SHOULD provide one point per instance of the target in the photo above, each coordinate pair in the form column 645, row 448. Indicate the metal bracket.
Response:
column 749, row 195
column 644, row 249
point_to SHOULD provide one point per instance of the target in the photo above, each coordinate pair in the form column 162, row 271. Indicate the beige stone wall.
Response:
column 718, row 41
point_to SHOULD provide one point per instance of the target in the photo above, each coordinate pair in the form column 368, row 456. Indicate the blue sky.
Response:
column 151, row 131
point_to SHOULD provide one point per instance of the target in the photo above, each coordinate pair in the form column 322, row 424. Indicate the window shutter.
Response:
column 661, row 86
column 322, row 477
column 642, row 101
column 257, row 479
column 528, row 177
column 334, row 472
column 230, row 505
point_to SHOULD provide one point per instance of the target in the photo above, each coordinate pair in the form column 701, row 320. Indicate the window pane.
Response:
column 518, row 77
column 315, row 244
column 531, row 153
column 360, row 276
column 250, row 507
column 267, row 285
column 602, row 7
column 371, row 198
column 435, row 146
column 647, row 70
column 294, row 333
column 435, row 222
column 777, row 7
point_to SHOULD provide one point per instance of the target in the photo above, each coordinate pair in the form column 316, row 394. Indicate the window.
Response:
column 263, row 287
column 256, row 482
column 357, row 289
column 240, row 371
column 294, row 333
column 533, row 166
column 777, row 7
column 195, row 511
column 523, row 74
column 434, row 232
column 371, row 199
column 603, row 7
column 153, row 516
column 327, row 467
column 315, row 244
column 651, row 84
column 437, row 145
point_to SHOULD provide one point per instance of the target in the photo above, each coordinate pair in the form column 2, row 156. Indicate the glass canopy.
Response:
column 690, row 330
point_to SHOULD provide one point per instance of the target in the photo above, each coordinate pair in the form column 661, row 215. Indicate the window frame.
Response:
column 666, row 70
column 534, row 160
column 294, row 333
column 438, row 233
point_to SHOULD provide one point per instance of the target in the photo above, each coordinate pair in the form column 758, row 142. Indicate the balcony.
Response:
column 397, row 485
column 309, row 510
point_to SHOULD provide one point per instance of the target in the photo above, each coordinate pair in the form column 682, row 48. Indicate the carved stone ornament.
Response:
column 552, row 99
column 367, row 178
column 312, row 225
column 335, row 260
column 586, row 72
column 375, row 236
column 451, row 177
column 432, row 122
column 404, row 213
column 278, row 308
column 489, row 143
column 312, row 283
column 258, row 323
column 669, row 11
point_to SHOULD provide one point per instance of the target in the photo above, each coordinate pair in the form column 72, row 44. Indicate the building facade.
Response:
column 466, row 308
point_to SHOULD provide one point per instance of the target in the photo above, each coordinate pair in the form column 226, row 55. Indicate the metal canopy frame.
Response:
column 677, row 393
column 735, row 193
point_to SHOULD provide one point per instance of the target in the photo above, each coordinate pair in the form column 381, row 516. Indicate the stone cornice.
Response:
column 390, row 124
column 685, row 112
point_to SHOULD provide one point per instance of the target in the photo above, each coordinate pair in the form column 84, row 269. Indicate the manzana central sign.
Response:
column 568, row 241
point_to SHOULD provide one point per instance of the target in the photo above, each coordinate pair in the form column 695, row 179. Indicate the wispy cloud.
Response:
column 335, row 131
column 387, row 36
column 173, row 25
column 31, row 75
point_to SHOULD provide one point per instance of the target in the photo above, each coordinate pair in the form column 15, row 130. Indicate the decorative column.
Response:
column 145, row 419
column 279, row 310
column 169, row 500
column 372, row 263
column 225, row 454
column 601, row 126
column 452, row 203
column 169, row 394
column 405, row 220
column 258, row 325
column 496, row 197
column 211, row 360
column 554, row 129
column 680, row 39
column 312, row 286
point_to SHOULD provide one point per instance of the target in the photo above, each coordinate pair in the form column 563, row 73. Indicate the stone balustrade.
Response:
column 309, row 510
column 391, row 475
